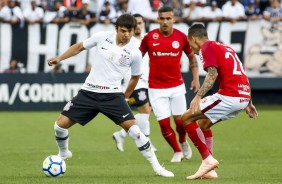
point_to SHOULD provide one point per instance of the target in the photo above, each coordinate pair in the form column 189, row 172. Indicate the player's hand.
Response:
column 53, row 61
column 195, row 84
column 195, row 104
column 251, row 111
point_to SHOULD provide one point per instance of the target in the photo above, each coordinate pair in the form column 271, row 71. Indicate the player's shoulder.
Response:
column 179, row 33
column 153, row 32
column 133, row 45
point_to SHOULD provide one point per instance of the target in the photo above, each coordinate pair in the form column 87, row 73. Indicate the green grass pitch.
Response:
column 249, row 151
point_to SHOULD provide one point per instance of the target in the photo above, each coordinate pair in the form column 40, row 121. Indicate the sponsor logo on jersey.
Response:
column 155, row 36
column 156, row 44
column 244, row 87
column 243, row 93
column 97, row 86
column 175, row 44
column 172, row 54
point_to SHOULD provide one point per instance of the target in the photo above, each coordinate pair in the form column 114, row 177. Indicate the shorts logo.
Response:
column 142, row 95
column 67, row 106
column 125, row 115
column 175, row 44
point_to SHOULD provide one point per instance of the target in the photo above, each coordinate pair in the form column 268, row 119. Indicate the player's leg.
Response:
column 72, row 113
column 121, row 114
column 144, row 147
column 159, row 99
column 142, row 120
column 206, row 128
column 197, row 137
column 178, row 107
column 62, row 135
column 162, row 110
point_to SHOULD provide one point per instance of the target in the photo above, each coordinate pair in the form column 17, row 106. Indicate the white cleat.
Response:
column 119, row 140
column 66, row 156
column 186, row 149
column 163, row 172
column 207, row 165
column 177, row 157
column 210, row 175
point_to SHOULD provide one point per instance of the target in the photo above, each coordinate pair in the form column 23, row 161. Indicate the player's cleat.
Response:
column 163, row 172
column 210, row 175
column 207, row 165
column 177, row 157
column 186, row 149
column 66, row 156
column 119, row 140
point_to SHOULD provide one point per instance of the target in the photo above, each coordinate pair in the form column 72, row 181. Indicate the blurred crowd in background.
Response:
column 107, row 11
column 89, row 12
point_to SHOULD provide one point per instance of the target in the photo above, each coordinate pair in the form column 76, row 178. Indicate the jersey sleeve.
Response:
column 94, row 40
column 136, row 63
column 144, row 44
column 209, row 57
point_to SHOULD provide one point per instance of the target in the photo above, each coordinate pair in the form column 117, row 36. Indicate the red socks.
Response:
column 209, row 139
column 180, row 130
column 197, row 137
column 169, row 134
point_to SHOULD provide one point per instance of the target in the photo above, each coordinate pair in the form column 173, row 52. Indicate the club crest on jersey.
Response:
column 123, row 59
column 175, row 44
column 155, row 36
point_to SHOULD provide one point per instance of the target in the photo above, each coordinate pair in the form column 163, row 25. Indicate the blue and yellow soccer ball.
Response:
column 54, row 166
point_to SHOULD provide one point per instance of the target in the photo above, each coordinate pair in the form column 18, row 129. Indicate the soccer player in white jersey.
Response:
column 115, row 53
column 139, row 98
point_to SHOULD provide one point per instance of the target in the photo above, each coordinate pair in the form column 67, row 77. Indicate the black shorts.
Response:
column 138, row 97
column 86, row 105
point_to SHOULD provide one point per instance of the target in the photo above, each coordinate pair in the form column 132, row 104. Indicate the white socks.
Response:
column 62, row 138
column 142, row 120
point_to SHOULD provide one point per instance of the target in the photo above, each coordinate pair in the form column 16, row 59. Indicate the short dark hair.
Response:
column 138, row 15
column 126, row 20
column 197, row 30
column 165, row 9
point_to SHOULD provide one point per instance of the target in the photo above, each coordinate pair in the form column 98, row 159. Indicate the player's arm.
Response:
column 193, row 65
column 71, row 51
column 131, row 86
column 207, row 85
column 208, row 82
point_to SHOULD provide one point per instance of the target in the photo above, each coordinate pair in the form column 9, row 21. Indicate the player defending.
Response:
column 221, row 63
column 166, row 85
column 115, row 54
column 139, row 98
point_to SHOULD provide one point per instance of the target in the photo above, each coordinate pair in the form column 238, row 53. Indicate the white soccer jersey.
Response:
column 143, row 81
column 111, row 62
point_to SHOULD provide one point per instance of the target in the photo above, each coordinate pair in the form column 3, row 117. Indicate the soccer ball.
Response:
column 54, row 166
